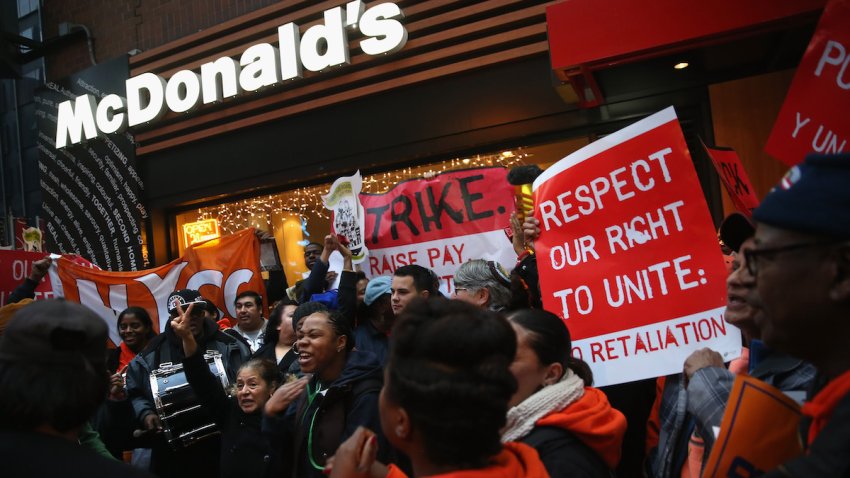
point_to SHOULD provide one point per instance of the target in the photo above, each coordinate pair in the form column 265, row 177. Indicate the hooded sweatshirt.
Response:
column 516, row 460
column 583, row 439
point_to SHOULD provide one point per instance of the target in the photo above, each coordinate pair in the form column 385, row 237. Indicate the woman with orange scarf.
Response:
column 555, row 410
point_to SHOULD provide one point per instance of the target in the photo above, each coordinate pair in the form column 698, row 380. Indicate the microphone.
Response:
column 524, row 174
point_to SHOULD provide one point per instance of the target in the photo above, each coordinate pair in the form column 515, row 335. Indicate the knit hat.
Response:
column 377, row 287
column 183, row 298
column 54, row 331
column 735, row 229
column 813, row 197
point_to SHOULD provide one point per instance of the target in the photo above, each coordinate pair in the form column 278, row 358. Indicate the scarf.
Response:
column 821, row 406
column 521, row 418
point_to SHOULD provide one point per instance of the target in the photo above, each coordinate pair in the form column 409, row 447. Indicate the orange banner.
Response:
column 758, row 431
column 219, row 268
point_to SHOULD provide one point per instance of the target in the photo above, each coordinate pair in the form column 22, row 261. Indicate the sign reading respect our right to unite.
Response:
column 628, row 255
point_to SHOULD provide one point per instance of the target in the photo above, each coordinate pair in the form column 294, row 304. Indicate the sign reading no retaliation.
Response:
column 628, row 255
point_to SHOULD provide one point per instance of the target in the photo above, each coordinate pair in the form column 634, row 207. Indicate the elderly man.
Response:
column 801, row 267
column 52, row 379
column 483, row 283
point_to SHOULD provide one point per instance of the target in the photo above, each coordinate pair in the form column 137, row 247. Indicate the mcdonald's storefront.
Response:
column 248, row 122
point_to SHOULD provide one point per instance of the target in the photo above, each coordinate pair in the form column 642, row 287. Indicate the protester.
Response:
column 52, row 379
column 372, row 334
column 483, row 284
column 446, row 395
column 115, row 420
column 26, row 290
column 409, row 282
column 135, row 328
column 341, row 395
column 168, row 348
column 686, row 435
column 555, row 410
column 244, row 451
column 800, row 264
column 634, row 399
column 280, row 336
column 250, row 324
column 317, row 259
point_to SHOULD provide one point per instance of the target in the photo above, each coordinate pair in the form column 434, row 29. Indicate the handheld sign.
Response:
column 343, row 200
column 628, row 256
column 758, row 431
column 440, row 223
column 813, row 117
column 734, row 178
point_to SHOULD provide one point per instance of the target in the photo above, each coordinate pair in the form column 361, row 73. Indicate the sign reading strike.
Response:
column 814, row 115
column 734, row 177
column 628, row 256
column 220, row 269
column 322, row 46
column 440, row 223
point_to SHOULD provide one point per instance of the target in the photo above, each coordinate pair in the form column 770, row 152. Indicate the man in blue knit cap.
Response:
column 801, row 264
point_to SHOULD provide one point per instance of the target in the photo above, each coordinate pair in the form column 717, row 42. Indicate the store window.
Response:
column 297, row 217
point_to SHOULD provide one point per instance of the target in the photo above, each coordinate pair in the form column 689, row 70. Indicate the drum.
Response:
column 183, row 420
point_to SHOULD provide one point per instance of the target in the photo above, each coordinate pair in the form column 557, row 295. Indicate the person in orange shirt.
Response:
column 445, row 398
column 571, row 424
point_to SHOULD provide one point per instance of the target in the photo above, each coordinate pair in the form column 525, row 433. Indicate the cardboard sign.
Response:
column 814, row 115
column 15, row 267
column 440, row 223
column 348, row 215
column 734, row 178
column 628, row 256
column 758, row 431
column 219, row 268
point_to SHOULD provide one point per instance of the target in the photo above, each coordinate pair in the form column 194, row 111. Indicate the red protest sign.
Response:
column 734, row 177
column 628, row 255
column 15, row 267
column 440, row 222
column 814, row 115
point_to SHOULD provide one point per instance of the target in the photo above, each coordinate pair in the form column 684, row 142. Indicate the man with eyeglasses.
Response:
column 800, row 264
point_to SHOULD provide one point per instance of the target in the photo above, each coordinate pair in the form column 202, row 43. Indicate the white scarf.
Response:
column 521, row 418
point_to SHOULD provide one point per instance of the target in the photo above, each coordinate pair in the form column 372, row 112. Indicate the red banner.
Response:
column 814, row 115
column 220, row 269
column 628, row 255
column 15, row 267
column 440, row 222
column 734, row 178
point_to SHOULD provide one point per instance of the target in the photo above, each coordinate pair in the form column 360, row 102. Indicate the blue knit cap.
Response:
column 813, row 198
column 377, row 287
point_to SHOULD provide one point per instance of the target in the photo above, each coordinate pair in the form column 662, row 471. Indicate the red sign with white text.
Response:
column 628, row 255
column 440, row 222
column 734, row 178
column 814, row 116
column 15, row 267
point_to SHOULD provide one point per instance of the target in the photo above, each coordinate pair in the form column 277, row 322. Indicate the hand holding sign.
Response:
column 628, row 254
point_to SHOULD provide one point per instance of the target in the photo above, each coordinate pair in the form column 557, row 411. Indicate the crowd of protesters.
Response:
column 387, row 377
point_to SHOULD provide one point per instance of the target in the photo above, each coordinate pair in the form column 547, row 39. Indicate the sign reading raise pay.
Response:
column 628, row 255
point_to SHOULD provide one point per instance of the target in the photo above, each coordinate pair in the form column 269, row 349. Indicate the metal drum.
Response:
column 183, row 420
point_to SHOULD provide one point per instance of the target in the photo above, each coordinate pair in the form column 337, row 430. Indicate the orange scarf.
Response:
column 821, row 406
column 516, row 460
column 125, row 357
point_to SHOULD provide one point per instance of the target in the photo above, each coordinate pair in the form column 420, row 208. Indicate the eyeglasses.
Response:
column 458, row 289
column 752, row 255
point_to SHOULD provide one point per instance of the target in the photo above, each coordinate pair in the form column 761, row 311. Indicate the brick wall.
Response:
column 119, row 26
